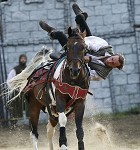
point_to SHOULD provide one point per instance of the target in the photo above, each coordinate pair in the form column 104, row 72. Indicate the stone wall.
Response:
column 117, row 21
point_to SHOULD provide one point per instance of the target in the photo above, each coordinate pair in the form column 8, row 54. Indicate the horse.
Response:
column 63, row 92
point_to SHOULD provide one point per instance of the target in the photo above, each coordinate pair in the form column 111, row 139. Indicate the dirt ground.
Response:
column 116, row 134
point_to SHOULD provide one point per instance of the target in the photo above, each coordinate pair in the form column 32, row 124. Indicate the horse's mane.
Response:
column 19, row 81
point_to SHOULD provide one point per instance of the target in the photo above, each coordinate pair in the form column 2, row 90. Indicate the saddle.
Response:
column 41, row 74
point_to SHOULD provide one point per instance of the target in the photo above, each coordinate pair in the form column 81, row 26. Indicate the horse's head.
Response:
column 75, row 51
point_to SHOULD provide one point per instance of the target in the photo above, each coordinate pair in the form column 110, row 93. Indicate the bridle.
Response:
column 81, row 60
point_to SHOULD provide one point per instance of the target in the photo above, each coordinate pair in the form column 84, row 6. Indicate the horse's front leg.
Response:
column 62, row 119
column 79, row 112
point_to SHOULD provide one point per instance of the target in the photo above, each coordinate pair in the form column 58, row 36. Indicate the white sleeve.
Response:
column 94, row 76
column 11, row 74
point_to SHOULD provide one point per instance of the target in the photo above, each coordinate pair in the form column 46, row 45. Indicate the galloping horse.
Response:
column 64, row 91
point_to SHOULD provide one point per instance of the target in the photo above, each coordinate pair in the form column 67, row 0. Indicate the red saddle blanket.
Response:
column 37, row 77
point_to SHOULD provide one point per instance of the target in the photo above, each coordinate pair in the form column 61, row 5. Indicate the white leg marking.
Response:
column 63, row 147
column 51, row 96
column 50, row 133
column 62, row 119
column 34, row 141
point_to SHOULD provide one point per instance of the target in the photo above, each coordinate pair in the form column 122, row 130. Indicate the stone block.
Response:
column 135, row 99
column 131, row 58
column 10, row 49
column 104, row 29
column 124, row 49
column 126, row 107
column 103, row 10
column 30, row 55
column 137, row 2
column 56, row 14
column 133, row 78
column 24, row 7
column 33, row 1
column 24, row 49
column 134, row 48
column 137, row 19
column 12, row 27
column 116, row 41
column 137, row 9
column 117, row 90
column 107, row 102
column 105, row 83
column 112, row 19
column 13, row 58
column 17, row 35
column 125, row 17
column 95, row 21
column 59, row 5
column 102, row 92
column 119, row 8
column 93, row 3
column 129, row 40
column 122, row 99
column 129, row 68
column 120, row 80
column 89, row 10
column 13, row 8
column 122, row 1
column 129, row 89
column 104, row 2
column 38, row 35
column 122, row 27
column 49, row 4
column 20, row 16
column 29, row 26
column 8, row 17
column 38, row 15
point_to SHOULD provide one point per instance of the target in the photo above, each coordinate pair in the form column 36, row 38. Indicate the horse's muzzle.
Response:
column 74, row 72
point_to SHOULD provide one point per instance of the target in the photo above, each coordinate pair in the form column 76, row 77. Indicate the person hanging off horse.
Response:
column 100, row 56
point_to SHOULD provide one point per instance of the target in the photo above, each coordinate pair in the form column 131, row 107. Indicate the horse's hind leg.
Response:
column 79, row 112
column 35, row 107
column 50, row 132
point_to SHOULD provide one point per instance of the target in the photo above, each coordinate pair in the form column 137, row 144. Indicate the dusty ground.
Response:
column 124, row 134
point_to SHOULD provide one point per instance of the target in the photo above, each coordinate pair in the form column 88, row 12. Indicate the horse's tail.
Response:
column 19, row 82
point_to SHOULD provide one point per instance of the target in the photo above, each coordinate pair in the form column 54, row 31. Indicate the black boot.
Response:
column 47, row 28
column 78, row 11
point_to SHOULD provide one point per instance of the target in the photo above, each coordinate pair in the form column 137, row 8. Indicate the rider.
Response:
column 100, row 57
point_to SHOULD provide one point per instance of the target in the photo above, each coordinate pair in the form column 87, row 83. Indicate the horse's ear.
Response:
column 69, row 31
column 84, row 34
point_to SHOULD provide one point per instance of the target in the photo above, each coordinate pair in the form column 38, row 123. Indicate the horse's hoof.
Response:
column 63, row 147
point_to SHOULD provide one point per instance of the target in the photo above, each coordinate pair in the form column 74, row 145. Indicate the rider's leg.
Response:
column 58, row 35
column 81, row 19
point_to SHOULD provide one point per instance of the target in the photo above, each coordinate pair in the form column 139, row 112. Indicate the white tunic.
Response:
column 11, row 74
column 95, row 43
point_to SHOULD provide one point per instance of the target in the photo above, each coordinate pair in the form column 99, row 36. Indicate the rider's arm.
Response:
column 94, row 76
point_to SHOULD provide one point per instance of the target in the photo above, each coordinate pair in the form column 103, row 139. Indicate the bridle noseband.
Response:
column 82, row 61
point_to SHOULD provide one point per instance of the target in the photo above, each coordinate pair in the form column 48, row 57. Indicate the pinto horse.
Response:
column 64, row 92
